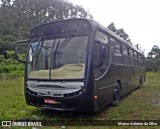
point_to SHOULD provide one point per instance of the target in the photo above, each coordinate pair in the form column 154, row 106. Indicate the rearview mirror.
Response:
column 21, row 50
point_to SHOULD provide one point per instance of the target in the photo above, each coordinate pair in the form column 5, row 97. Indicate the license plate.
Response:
column 50, row 101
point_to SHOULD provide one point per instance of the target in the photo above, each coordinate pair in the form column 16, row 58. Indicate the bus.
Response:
column 78, row 65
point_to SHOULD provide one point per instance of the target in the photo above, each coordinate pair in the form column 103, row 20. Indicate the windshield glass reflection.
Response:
column 61, row 58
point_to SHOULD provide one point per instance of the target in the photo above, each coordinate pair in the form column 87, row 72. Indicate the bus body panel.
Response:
column 81, row 101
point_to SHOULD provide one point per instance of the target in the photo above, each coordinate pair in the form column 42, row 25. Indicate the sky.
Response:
column 140, row 19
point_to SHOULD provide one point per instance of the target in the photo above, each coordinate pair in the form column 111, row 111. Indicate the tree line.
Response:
column 17, row 17
column 153, row 59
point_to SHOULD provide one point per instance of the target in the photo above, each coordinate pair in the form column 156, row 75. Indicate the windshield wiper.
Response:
column 59, row 47
column 54, row 55
column 64, row 43
column 47, row 46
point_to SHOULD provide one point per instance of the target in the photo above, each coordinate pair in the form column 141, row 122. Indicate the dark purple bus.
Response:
column 78, row 65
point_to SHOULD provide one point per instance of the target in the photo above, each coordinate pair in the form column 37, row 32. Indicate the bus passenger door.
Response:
column 101, row 64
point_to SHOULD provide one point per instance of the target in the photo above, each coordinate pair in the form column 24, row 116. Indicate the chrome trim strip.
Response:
column 105, row 87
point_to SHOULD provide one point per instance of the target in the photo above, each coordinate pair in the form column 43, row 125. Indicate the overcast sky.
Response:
column 139, row 18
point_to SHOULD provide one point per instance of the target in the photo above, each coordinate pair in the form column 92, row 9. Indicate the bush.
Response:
column 10, row 65
column 1, row 58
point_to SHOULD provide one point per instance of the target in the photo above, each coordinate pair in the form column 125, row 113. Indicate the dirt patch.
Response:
column 156, row 99
column 135, row 115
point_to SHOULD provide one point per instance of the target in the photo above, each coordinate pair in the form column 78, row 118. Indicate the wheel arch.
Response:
column 119, row 82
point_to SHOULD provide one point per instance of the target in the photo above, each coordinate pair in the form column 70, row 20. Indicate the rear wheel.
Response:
column 116, row 94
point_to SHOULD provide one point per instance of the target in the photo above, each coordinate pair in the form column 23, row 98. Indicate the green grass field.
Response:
column 141, row 104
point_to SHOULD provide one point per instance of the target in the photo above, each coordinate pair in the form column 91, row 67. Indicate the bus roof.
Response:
column 96, row 24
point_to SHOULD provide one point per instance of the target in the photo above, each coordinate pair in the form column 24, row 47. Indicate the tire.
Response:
column 116, row 94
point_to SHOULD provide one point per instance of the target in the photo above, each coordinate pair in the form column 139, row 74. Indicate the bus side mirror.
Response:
column 21, row 49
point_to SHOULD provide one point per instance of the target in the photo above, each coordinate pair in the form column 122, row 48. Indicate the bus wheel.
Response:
column 116, row 94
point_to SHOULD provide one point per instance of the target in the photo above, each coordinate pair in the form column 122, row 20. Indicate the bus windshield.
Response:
column 58, row 58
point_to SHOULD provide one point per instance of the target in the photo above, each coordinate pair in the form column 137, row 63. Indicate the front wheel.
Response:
column 116, row 94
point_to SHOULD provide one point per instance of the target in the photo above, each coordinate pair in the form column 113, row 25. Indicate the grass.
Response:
column 141, row 104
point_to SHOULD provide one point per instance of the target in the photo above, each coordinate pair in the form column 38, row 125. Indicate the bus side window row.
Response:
column 116, row 51
column 122, row 54
column 136, row 59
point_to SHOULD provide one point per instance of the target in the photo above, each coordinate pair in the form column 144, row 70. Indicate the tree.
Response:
column 153, row 59
column 6, row 2
column 6, row 43
column 22, row 15
column 150, row 55
column 119, row 32
column 155, row 50
column 19, row 16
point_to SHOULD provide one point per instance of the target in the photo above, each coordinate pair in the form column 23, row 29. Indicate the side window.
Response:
column 135, row 55
column 139, row 59
column 135, row 58
column 116, row 51
column 125, row 55
column 131, row 57
column 124, row 50
column 131, row 53
column 101, row 54
column 100, row 36
column 143, row 60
